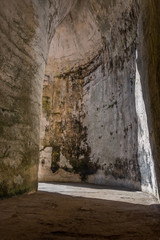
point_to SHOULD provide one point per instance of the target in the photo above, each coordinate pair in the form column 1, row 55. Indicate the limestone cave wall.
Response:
column 89, row 121
column 26, row 29
column 148, row 45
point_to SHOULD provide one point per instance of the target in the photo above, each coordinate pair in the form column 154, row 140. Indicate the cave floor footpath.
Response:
column 75, row 212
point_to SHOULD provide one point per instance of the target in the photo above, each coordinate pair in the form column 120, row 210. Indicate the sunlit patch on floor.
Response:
column 98, row 192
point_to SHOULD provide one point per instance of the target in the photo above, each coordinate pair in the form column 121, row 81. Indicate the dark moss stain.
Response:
column 10, row 190
column 80, row 72
column 55, row 158
column 67, row 169
column 78, row 153
column 112, row 104
column 46, row 105
column 125, row 131
column 3, row 188
column 84, row 167
column 67, row 134
column 124, row 169
column 78, row 156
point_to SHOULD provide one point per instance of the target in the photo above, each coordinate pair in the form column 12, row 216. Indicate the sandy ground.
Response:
column 46, row 215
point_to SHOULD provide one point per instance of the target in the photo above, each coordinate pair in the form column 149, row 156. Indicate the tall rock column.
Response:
column 26, row 29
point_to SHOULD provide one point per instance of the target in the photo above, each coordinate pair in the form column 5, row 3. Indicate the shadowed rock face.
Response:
column 148, row 65
column 89, row 129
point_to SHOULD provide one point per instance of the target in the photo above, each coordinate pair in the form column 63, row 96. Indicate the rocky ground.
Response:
column 45, row 215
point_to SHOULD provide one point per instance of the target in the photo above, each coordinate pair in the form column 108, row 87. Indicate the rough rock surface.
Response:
column 148, row 65
column 26, row 29
column 89, row 115
column 90, row 131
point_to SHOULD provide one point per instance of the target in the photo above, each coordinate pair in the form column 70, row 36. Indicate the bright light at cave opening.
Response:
column 145, row 158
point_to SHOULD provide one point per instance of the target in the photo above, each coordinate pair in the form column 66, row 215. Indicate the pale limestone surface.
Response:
column 145, row 156
column 91, row 66
column 99, row 192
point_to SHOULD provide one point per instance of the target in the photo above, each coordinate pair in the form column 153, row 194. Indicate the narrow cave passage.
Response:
column 94, row 124
column 89, row 131
column 99, row 171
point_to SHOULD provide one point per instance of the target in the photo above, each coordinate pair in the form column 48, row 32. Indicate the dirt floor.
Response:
column 45, row 215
